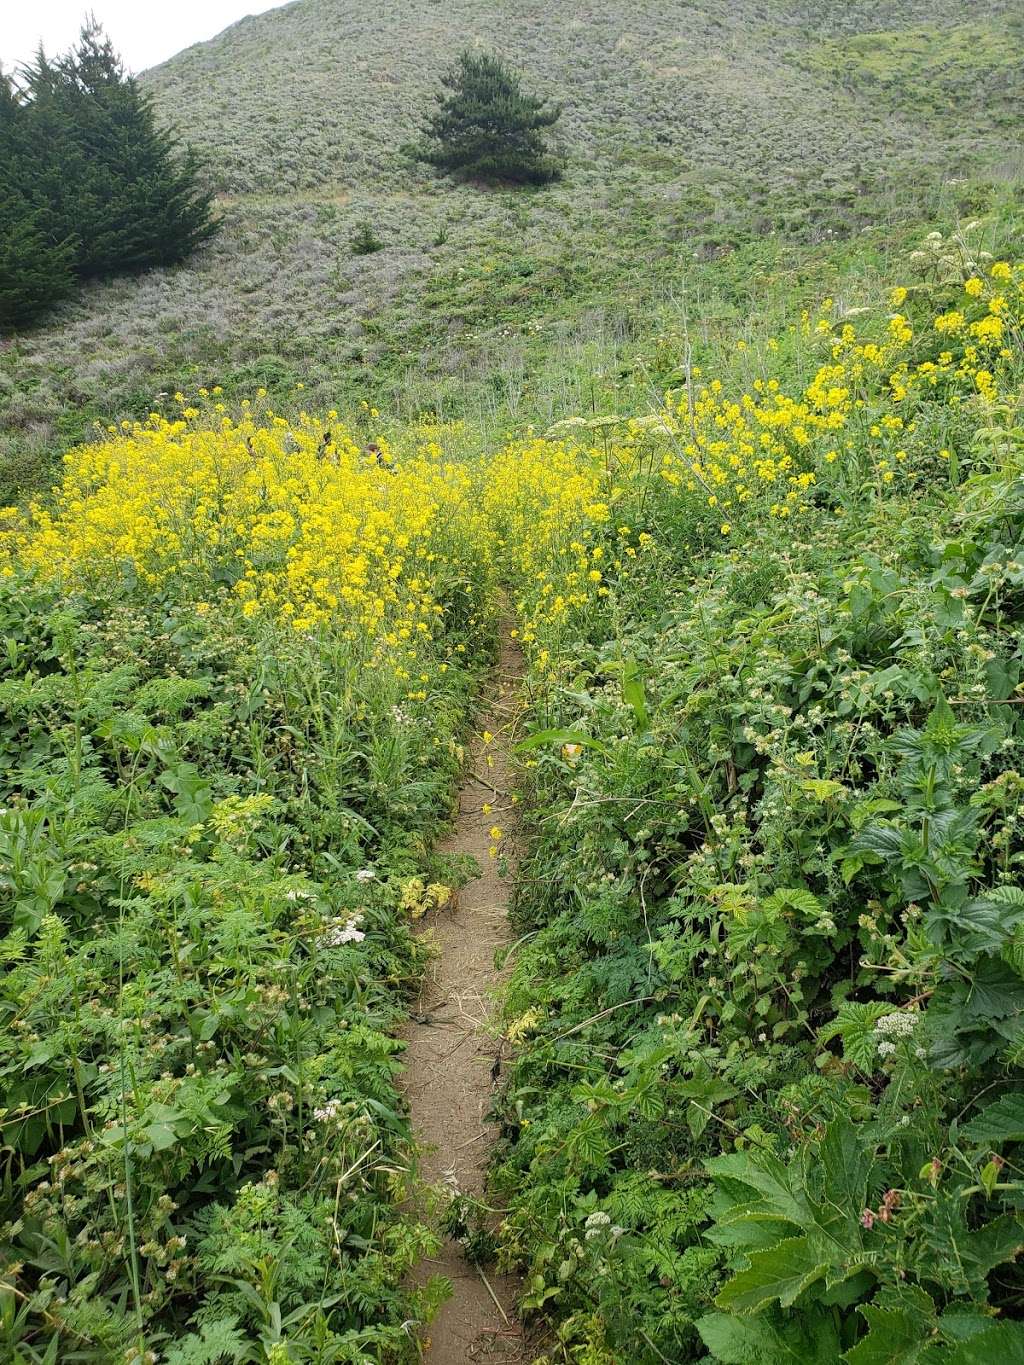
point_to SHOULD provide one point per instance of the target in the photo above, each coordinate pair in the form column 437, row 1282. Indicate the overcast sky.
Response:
column 145, row 32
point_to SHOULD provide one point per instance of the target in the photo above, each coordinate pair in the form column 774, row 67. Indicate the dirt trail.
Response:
column 452, row 1051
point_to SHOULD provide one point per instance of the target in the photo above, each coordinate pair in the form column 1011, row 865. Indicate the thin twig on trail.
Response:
column 497, row 1301
column 469, row 1141
column 485, row 782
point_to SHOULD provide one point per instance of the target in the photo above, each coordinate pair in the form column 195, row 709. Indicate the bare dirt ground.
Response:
column 453, row 1046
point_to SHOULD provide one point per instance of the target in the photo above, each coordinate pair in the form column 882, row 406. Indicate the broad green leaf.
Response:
column 161, row 1135
column 843, row 1165
column 1002, row 1121
column 192, row 798
column 805, row 1339
column 1001, row 1344
column 962, row 1257
column 895, row 1336
column 780, row 1272
column 795, row 898
column 769, row 1177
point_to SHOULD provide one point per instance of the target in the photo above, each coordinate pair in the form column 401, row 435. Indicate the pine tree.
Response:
column 90, row 185
column 487, row 128
column 35, row 271
column 116, row 180
column 35, row 260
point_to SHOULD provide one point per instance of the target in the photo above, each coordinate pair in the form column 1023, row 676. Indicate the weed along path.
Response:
column 453, row 1054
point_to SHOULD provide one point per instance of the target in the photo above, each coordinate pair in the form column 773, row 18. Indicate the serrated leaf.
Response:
column 795, row 898
column 1002, row 1121
column 218, row 1340
column 822, row 788
column 855, row 1024
column 842, row 1169
column 879, row 841
column 1003, row 1342
column 896, row 1336
column 963, row 1257
column 807, row 1339
column 779, row 1272
column 769, row 1177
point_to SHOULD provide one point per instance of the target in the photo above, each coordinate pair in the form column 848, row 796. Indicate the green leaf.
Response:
column 634, row 694
column 896, row 1336
column 161, row 1135
column 795, row 898
column 843, row 1165
column 1002, row 1121
column 1002, row 1343
column 822, row 788
column 193, row 801
column 807, row 1338
column 961, row 1257
column 780, row 1272
column 855, row 1024
column 543, row 737
column 217, row 1340
column 769, row 1177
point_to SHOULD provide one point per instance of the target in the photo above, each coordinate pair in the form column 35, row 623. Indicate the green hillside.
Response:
column 691, row 132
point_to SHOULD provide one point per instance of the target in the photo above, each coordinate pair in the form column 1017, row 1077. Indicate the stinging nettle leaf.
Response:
column 780, row 1272
column 1002, row 1121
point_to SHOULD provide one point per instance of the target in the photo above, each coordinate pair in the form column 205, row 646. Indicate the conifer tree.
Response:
column 35, row 261
column 90, row 185
column 118, row 181
column 487, row 128
column 35, row 271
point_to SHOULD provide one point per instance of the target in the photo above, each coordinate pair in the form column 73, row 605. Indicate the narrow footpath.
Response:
column 453, row 1056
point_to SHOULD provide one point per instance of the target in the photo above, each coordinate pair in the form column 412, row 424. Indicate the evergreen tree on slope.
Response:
column 487, row 128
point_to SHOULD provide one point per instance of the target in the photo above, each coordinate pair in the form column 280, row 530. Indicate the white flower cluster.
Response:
column 899, row 1024
column 598, row 1224
column 366, row 874
column 341, row 931
column 296, row 894
column 329, row 1113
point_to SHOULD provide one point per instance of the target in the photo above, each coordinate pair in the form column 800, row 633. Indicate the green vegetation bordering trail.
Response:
column 767, row 995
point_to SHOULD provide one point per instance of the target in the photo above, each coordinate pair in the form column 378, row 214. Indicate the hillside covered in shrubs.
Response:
column 690, row 132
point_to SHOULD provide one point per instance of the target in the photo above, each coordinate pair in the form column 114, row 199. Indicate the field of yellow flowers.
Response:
column 768, row 1006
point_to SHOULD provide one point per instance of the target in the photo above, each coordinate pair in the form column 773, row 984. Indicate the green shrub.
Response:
column 365, row 241
column 769, row 991
column 198, row 1051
